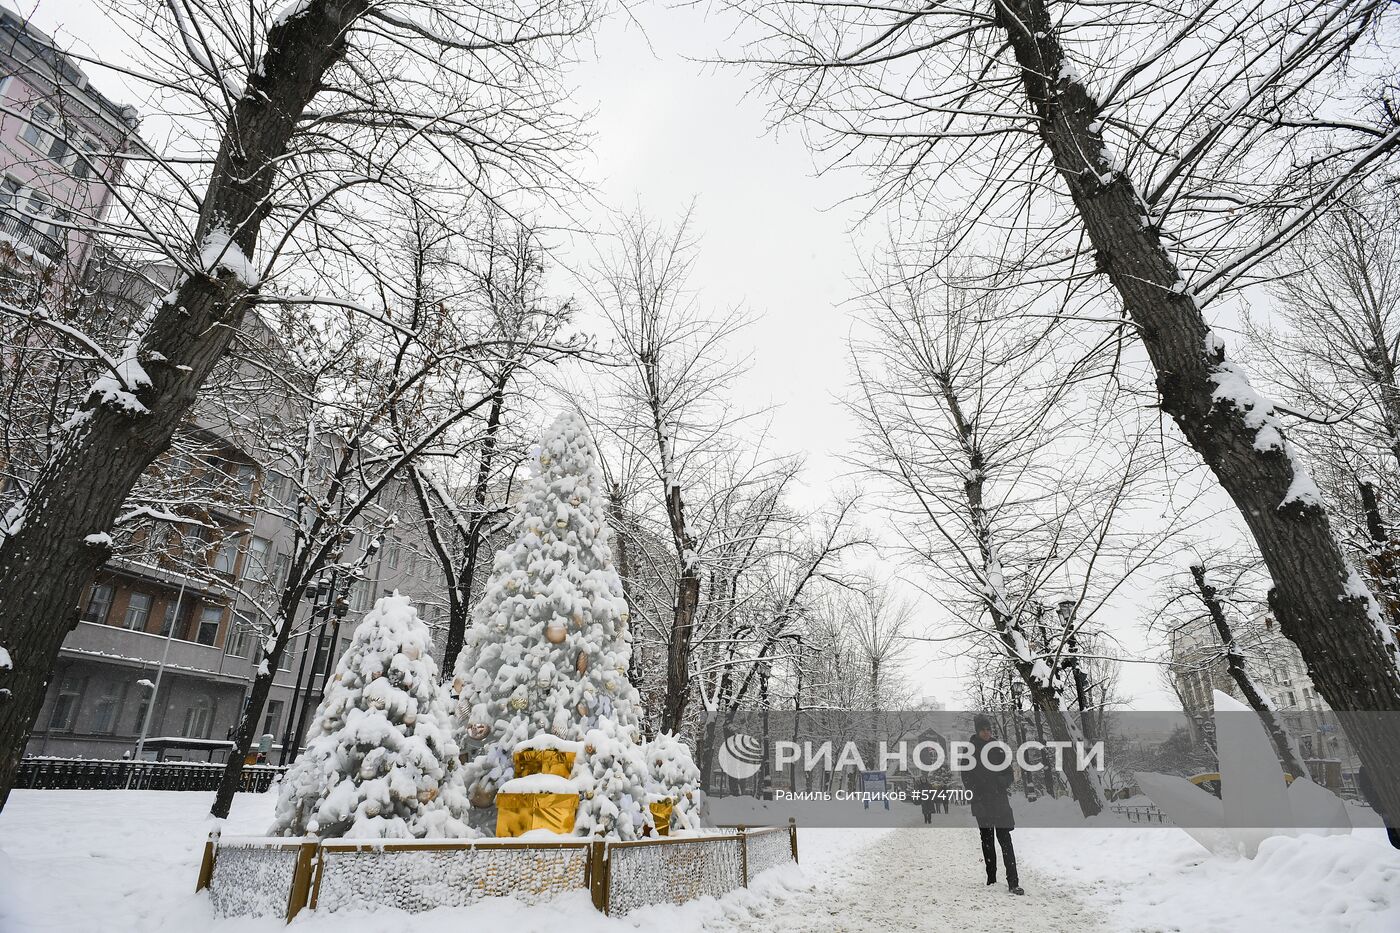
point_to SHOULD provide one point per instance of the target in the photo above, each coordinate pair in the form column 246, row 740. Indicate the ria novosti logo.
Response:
column 741, row 756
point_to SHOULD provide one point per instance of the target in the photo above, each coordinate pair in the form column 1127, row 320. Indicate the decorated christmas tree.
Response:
column 548, row 649
column 380, row 761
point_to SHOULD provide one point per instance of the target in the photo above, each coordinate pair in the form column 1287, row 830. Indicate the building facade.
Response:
column 1199, row 667
column 61, row 142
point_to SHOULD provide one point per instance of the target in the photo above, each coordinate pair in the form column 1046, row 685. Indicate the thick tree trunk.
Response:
column 1319, row 600
column 45, row 562
column 1284, row 745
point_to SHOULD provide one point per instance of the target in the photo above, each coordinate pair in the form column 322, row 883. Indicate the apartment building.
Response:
column 60, row 146
column 1198, row 668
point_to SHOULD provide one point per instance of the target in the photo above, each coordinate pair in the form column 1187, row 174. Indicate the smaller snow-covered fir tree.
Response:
column 673, row 775
column 380, row 761
column 613, row 779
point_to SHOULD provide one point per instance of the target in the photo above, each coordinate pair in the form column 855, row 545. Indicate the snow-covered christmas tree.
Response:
column 548, row 649
column 675, row 778
column 380, row 761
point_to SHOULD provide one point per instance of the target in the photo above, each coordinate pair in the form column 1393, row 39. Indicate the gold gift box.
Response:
column 661, row 815
column 517, row 814
column 543, row 761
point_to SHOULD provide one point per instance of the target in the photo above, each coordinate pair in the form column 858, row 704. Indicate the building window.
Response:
column 85, row 167
column 240, row 636
column 169, row 623
column 274, row 489
column 99, row 603
column 209, row 618
column 138, row 611
column 246, row 476
column 282, row 568
column 257, row 564
column 9, row 192
column 104, row 714
column 394, row 555
column 198, row 720
column 65, row 704
column 34, row 131
column 273, row 719
column 226, row 558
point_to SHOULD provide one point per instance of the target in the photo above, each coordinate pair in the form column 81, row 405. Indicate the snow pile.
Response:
column 1159, row 879
column 548, row 649
column 380, row 761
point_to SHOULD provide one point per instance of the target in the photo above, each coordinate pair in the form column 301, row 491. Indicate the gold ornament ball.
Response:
column 589, row 749
column 555, row 633
column 582, row 665
column 518, row 703
column 478, row 730
column 482, row 796
column 582, row 709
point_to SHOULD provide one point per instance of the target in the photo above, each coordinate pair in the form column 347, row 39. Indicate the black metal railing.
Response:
column 103, row 774
column 22, row 231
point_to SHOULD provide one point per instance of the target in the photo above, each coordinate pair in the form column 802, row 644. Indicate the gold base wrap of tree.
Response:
column 661, row 815
column 543, row 761
column 517, row 814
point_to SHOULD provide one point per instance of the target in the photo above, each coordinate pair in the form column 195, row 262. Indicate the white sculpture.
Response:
column 1255, row 801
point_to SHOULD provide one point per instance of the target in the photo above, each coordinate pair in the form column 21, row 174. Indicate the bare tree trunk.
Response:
column 1318, row 598
column 678, row 652
column 1284, row 746
column 1384, row 554
column 459, row 610
column 45, row 562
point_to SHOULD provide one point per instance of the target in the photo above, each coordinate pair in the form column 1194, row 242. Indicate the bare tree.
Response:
column 671, row 416
column 1000, row 494
column 294, row 132
column 501, row 296
column 1186, row 148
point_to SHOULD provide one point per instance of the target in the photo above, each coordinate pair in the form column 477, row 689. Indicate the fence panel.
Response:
column 672, row 871
column 768, row 847
column 417, row 876
column 257, row 877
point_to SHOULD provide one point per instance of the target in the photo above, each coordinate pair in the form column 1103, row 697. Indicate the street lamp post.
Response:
column 160, row 671
column 312, row 592
column 1081, row 682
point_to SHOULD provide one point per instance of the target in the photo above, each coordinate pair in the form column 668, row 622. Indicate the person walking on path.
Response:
column 991, row 805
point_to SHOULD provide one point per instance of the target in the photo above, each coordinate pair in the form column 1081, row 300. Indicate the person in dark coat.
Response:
column 991, row 805
column 928, row 803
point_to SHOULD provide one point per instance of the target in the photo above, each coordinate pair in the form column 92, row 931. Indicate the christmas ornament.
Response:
column 582, row 665
column 555, row 632
column 478, row 731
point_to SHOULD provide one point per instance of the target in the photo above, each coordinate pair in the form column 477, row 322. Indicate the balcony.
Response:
column 22, row 233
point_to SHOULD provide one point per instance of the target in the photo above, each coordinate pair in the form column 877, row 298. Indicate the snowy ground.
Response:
column 119, row 861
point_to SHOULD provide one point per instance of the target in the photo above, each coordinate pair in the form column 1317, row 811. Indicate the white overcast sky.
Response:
column 775, row 237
